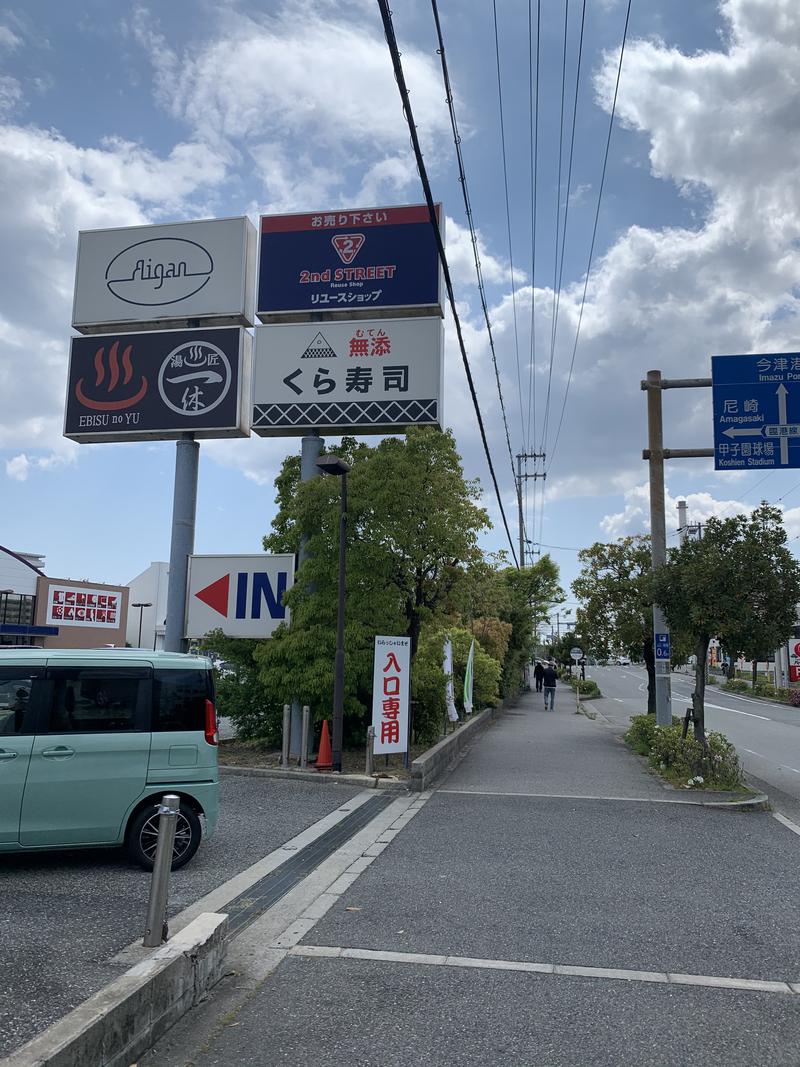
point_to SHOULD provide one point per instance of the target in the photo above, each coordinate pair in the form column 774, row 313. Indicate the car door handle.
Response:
column 5, row 754
column 59, row 752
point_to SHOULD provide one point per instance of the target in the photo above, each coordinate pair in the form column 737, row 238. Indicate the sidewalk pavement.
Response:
column 549, row 905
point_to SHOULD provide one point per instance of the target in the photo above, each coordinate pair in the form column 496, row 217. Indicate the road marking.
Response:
column 721, row 707
column 795, row 830
column 564, row 796
column 623, row 974
column 619, row 700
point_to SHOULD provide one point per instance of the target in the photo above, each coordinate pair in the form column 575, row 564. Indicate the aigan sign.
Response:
column 146, row 386
column 241, row 595
column 391, row 687
column 349, row 264
column 141, row 276
column 367, row 376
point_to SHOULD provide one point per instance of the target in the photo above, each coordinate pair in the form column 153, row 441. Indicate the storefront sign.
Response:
column 69, row 605
column 391, row 687
column 145, row 386
column 370, row 376
column 142, row 276
column 351, row 263
column 241, row 595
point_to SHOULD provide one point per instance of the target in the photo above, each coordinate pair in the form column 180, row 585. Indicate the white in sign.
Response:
column 390, row 694
column 576, row 653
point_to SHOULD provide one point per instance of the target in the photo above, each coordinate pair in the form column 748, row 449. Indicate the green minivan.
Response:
column 91, row 739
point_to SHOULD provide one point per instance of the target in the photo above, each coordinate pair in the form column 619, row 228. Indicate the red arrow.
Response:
column 216, row 595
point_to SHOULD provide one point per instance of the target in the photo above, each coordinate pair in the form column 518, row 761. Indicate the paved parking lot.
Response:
column 65, row 915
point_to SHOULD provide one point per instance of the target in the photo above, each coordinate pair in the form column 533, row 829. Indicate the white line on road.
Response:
column 624, row 974
column 782, row 766
column 788, row 824
column 720, row 707
column 569, row 796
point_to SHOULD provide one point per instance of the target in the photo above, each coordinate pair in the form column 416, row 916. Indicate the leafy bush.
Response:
column 587, row 688
column 684, row 760
column 764, row 689
column 736, row 685
column 642, row 731
column 794, row 698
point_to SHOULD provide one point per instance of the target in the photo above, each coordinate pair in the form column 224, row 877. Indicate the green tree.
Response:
column 738, row 583
column 412, row 536
column 616, row 612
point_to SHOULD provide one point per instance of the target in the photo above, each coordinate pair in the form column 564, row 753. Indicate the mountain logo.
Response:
column 319, row 349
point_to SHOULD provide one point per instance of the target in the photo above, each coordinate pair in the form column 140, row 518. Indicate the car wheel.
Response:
column 143, row 837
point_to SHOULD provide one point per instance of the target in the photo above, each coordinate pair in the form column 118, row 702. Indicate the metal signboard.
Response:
column 370, row 376
column 756, row 411
column 140, row 277
column 576, row 653
column 662, row 643
column 240, row 595
column 391, row 687
column 146, row 386
column 69, row 605
column 349, row 263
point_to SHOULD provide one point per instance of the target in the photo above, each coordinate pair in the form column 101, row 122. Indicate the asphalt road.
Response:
column 766, row 735
column 66, row 914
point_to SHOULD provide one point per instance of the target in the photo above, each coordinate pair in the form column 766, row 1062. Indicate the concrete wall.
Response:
column 76, row 634
column 16, row 574
column 149, row 587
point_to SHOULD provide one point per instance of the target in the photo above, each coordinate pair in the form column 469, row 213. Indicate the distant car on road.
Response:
column 623, row 661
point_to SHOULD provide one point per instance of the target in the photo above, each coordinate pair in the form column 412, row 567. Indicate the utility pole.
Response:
column 526, row 476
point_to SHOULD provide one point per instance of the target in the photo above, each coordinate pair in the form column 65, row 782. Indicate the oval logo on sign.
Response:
column 162, row 270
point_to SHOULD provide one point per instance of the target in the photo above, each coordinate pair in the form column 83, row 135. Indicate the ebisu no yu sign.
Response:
column 349, row 264
column 139, row 277
column 367, row 376
column 157, row 386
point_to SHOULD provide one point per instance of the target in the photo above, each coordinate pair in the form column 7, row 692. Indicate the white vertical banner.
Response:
column 468, row 679
column 450, row 693
column 391, row 687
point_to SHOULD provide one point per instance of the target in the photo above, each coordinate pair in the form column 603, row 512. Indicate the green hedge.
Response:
column 683, row 760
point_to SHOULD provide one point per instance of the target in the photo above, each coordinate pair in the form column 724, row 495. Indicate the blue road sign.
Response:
column 756, row 411
column 662, row 646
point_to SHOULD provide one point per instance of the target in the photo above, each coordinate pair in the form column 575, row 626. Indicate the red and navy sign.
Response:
column 244, row 596
column 350, row 263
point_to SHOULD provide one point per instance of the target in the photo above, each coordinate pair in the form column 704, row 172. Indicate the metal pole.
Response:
column 658, row 535
column 519, row 512
column 139, row 640
column 370, row 751
column 287, row 730
column 310, row 449
column 338, row 678
column 184, row 510
column 683, row 526
column 304, row 737
column 156, row 931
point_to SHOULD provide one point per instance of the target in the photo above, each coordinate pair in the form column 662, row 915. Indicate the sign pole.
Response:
column 184, row 511
column 310, row 450
column 658, row 537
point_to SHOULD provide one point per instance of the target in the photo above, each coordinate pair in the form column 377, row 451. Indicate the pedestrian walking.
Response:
column 549, row 678
column 538, row 673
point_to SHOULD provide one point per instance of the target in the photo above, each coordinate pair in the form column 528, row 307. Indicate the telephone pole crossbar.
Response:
column 525, row 476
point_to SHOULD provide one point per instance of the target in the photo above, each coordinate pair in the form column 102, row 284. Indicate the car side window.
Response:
column 18, row 689
column 94, row 700
column 179, row 699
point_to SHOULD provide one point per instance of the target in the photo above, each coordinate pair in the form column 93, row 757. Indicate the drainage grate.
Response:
column 251, row 904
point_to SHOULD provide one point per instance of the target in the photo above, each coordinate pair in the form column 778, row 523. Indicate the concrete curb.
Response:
column 120, row 1022
column 433, row 764
column 359, row 780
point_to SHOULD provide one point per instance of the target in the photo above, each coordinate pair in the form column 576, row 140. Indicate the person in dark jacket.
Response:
column 549, row 678
column 538, row 672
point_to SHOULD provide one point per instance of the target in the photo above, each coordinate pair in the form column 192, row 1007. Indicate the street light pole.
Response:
column 141, row 606
column 335, row 465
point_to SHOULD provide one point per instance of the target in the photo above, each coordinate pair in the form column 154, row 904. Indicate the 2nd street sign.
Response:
column 756, row 411
column 349, row 264
column 369, row 376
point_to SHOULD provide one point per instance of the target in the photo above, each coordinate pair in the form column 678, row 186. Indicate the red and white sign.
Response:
column 241, row 595
column 347, row 246
column 68, row 605
column 391, row 687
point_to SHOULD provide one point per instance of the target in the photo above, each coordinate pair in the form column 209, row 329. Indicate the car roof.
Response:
column 32, row 656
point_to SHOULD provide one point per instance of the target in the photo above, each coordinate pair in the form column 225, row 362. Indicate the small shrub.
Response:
column 764, row 689
column 587, row 687
column 794, row 698
column 782, row 695
column 712, row 680
column 684, row 759
column 641, row 733
column 736, row 685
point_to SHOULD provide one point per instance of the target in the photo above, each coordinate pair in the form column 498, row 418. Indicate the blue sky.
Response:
column 119, row 114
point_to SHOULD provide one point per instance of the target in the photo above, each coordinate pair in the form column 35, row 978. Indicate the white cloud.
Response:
column 9, row 39
column 17, row 467
column 10, row 94
column 635, row 516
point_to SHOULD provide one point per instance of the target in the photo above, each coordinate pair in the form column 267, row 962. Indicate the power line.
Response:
column 533, row 103
column 462, row 177
column 508, row 212
column 394, row 51
column 594, row 229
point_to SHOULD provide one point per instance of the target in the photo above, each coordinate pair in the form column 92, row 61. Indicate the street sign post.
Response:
column 390, row 694
column 662, row 645
column 756, row 411
column 577, row 654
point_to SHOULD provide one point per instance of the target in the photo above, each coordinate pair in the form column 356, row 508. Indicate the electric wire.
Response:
column 594, row 230
column 394, row 51
column 533, row 104
column 462, row 177
column 508, row 211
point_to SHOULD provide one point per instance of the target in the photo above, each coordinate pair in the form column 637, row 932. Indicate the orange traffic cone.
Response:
column 325, row 756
